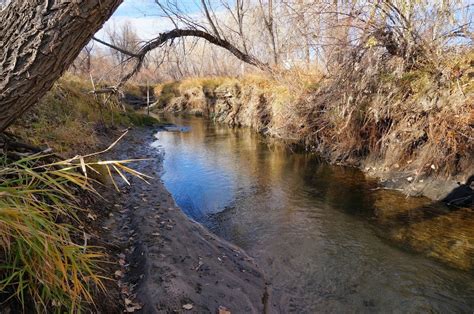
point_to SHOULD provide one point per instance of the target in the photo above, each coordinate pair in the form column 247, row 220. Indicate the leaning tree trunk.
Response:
column 38, row 41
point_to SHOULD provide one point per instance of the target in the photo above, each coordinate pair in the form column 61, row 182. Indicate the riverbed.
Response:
column 328, row 239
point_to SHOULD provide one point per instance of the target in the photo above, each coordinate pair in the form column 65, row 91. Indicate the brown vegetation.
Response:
column 417, row 119
column 70, row 120
column 373, row 113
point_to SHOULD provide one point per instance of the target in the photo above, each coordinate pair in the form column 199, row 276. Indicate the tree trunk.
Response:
column 271, row 31
column 38, row 41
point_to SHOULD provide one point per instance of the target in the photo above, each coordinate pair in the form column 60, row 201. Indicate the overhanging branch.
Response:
column 177, row 33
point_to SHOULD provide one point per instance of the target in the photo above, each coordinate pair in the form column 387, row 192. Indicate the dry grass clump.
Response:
column 181, row 93
column 166, row 92
column 40, row 260
column 207, row 84
column 46, row 262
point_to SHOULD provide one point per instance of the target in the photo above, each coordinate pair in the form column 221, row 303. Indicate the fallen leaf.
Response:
column 199, row 265
column 223, row 310
column 128, row 301
column 92, row 217
column 188, row 307
column 118, row 273
column 133, row 308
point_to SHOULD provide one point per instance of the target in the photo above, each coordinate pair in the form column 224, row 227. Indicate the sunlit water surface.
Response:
column 328, row 240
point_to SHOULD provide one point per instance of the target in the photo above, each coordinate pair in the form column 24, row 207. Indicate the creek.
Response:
column 328, row 239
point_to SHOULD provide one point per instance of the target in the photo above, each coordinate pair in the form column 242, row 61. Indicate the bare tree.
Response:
column 83, row 63
column 238, row 15
column 268, row 18
column 304, row 34
column 125, row 38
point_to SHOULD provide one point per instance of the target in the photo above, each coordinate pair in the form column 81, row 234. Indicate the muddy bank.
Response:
column 171, row 263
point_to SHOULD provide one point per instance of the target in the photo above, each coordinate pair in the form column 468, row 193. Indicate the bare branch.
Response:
column 178, row 33
column 125, row 52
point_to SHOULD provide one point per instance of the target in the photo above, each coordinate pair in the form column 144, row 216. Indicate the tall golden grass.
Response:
column 45, row 260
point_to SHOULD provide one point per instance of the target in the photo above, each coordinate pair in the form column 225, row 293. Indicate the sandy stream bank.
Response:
column 173, row 263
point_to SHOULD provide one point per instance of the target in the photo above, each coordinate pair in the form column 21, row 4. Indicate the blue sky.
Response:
column 143, row 8
column 145, row 17
column 136, row 8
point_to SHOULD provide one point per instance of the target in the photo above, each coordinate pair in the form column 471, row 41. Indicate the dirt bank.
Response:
column 399, row 129
column 173, row 264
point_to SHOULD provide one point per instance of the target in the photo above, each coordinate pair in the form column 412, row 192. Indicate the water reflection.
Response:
column 446, row 234
column 329, row 240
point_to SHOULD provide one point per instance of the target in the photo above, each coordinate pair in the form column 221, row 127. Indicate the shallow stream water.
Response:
column 328, row 239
